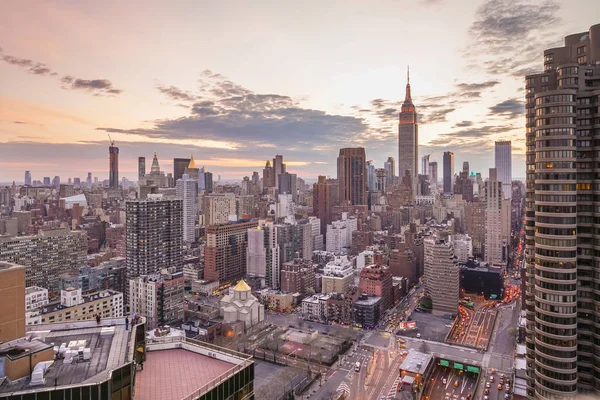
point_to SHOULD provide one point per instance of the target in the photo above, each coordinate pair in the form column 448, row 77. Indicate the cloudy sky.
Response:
column 236, row 82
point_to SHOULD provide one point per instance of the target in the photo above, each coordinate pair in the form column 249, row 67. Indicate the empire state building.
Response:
column 408, row 136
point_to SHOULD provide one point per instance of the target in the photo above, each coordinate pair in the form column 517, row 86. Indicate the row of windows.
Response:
column 556, row 154
column 555, row 275
column 567, row 71
column 564, row 187
column 555, row 98
column 556, row 231
column 555, row 253
column 556, row 242
column 553, row 143
column 559, row 198
column 555, row 132
column 555, row 121
column 555, row 110
column 556, row 209
column 568, row 82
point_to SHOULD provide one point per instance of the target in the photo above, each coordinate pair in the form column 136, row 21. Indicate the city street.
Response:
column 476, row 332
column 436, row 389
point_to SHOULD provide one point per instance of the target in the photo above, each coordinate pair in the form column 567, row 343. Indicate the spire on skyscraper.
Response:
column 192, row 164
column 155, row 168
column 407, row 98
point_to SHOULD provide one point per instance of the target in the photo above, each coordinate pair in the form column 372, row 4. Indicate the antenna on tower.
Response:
column 112, row 142
column 408, row 74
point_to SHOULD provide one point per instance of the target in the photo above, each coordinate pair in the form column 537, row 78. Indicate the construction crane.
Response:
column 112, row 142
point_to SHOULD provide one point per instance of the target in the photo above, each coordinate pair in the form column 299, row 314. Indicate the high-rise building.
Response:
column 28, row 178
column 158, row 298
column 370, row 175
column 338, row 275
column 297, row 276
column 141, row 167
column 433, row 172
column 56, row 181
column 12, row 293
column 179, row 166
column 113, row 166
column 351, row 172
column 262, row 254
column 408, row 136
column 381, row 179
column 47, row 255
column 322, row 202
column 425, row 165
column 493, row 215
column 465, row 168
column 475, row 224
column 154, row 235
column 503, row 158
column 376, row 280
column 208, row 181
column 187, row 190
column 268, row 176
column 390, row 167
column 89, row 180
column 219, row 208
column 225, row 251
column 441, row 275
column 561, row 271
column 287, row 184
column 448, row 172
column 278, row 169
column 46, row 181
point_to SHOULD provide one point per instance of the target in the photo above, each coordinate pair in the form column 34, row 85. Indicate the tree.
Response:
column 310, row 291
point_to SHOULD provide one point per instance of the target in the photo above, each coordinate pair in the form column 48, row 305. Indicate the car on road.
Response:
column 486, row 391
column 492, row 379
column 455, row 383
column 488, row 385
column 418, row 335
column 500, row 387
column 444, row 381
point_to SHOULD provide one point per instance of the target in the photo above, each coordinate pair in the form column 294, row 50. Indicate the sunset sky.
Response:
column 235, row 83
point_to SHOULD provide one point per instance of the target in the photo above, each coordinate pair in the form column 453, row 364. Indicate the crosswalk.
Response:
column 392, row 392
column 343, row 389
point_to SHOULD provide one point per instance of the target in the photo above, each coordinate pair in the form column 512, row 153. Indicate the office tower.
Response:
column 370, row 175
column 408, row 136
column 141, row 167
column 448, row 172
column 475, row 224
column 351, row 173
column 464, row 185
column 56, row 181
column 425, row 165
column 441, row 275
column 179, row 166
column 262, row 254
column 390, row 167
column 433, row 172
column 225, row 251
column 381, row 179
column 208, row 181
column 561, row 271
column 113, row 166
column 158, row 298
column 47, row 255
column 46, row 181
column 465, row 169
column 187, row 190
column 219, row 208
column 376, row 280
column 192, row 171
column 89, row 180
column 12, row 293
column 322, row 202
column 278, row 169
column 155, row 168
column 268, row 176
column 154, row 235
column 287, row 184
column 255, row 183
column 28, row 178
column 503, row 158
column 493, row 219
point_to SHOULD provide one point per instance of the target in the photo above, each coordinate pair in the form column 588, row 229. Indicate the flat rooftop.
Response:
column 109, row 350
column 416, row 362
column 176, row 373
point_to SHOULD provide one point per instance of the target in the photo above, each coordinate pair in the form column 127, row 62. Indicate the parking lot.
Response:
column 429, row 327
column 474, row 329
column 450, row 384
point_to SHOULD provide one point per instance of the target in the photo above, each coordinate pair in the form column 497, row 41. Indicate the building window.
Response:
column 581, row 50
column 581, row 60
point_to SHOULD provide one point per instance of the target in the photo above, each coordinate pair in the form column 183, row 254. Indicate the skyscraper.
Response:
column 179, row 166
column 278, row 169
column 28, row 178
column 425, row 165
column 561, row 268
column 268, row 176
column 390, row 166
column 493, row 219
column 442, row 275
column 448, row 172
column 113, row 166
column 408, row 136
column 187, row 190
column 503, row 158
column 155, row 168
column 141, row 167
column 225, row 251
column 352, row 175
column 370, row 175
column 154, row 235
column 89, row 179
column 322, row 202
column 433, row 172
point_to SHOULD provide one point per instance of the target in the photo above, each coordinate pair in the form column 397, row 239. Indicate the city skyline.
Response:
column 307, row 103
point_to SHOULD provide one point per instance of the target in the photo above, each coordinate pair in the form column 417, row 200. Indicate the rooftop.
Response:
column 178, row 368
column 109, row 344
column 369, row 301
column 416, row 362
